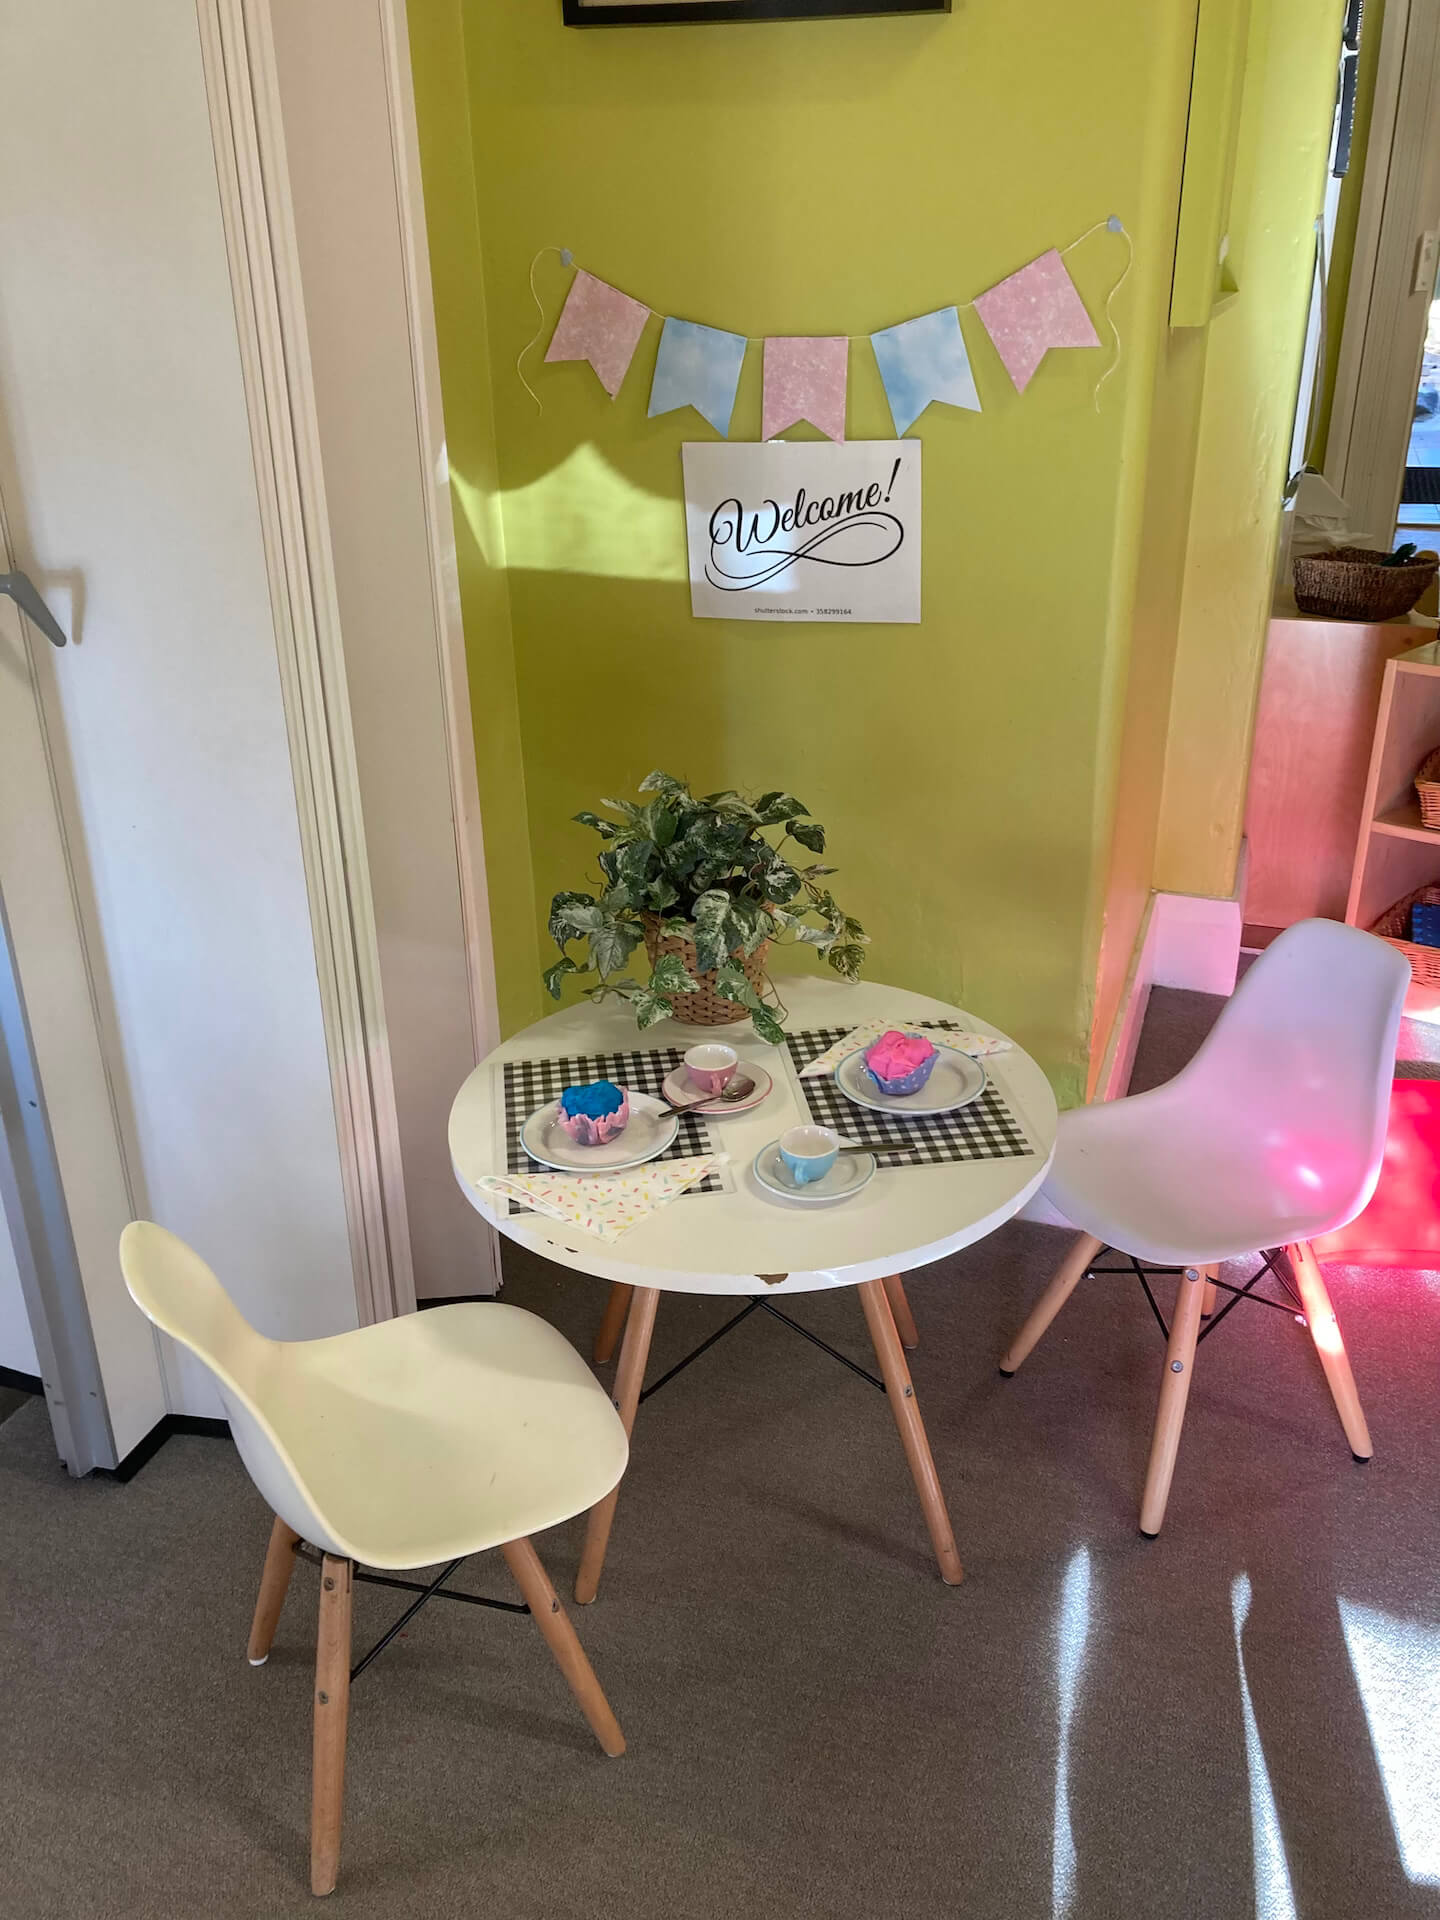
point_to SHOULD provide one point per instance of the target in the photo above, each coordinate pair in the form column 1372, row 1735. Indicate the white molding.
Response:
column 1197, row 938
column 242, row 89
column 1382, row 341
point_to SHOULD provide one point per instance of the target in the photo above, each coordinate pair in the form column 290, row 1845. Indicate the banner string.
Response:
column 1112, row 224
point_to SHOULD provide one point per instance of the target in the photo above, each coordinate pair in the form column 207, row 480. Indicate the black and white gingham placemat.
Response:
column 532, row 1083
column 985, row 1130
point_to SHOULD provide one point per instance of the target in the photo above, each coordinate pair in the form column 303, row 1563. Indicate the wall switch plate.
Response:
column 1427, row 250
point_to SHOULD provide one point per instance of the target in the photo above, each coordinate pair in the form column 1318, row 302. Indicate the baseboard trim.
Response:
column 145, row 1450
column 19, row 1382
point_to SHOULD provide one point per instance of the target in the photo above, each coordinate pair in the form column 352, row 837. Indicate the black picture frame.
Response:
column 627, row 13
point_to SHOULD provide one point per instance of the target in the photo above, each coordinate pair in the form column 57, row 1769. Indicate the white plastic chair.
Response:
column 400, row 1445
column 1273, row 1135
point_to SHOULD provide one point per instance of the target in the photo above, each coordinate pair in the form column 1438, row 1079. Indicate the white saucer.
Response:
column 649, row 1131
column 850, row 1173
column 955, row 1080
column 679, row 1086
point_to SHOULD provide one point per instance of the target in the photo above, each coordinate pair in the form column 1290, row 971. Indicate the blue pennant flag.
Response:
column 697, row 367
column 924, row 360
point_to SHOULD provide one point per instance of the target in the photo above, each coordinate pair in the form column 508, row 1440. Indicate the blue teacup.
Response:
column 809, row 1153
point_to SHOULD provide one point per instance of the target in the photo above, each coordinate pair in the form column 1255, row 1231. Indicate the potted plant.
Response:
column 697, row 881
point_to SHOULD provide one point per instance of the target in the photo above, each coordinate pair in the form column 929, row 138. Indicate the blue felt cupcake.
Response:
column 594, row 1115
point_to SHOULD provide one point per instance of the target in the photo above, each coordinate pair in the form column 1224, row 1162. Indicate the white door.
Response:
column 126, row 463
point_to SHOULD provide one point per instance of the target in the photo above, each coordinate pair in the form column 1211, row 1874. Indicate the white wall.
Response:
column 126, row 464
column 17, row 1344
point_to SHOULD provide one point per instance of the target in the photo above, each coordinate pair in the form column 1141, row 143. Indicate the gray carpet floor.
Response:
column 1239, row 1718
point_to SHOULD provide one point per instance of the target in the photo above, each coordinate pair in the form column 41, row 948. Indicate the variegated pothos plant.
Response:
column 705, row 868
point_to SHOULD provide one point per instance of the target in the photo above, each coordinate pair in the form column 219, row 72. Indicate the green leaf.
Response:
column 748, row 926
column 778, row 880
column 625, row 808
column 593, row 820
column 670, row 976
column 809, row 833
column 562, row 927
column 767, row 1026
column 650, row 1007
column 775, row 807
column 665, row 783
column 552, row 976
column 612, row 944
column 712, row 910
column 847, row 961
column 731, row 983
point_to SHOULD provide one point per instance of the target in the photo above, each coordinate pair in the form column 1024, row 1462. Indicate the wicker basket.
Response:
column 1350, row 584
column 1394, row 924
column 1427, row 786
column 705, row 1008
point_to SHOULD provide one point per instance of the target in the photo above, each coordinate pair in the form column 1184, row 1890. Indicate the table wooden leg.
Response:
column 891, row 1355
column 629, row 1379
column 616, row 1308
column 900, row 1307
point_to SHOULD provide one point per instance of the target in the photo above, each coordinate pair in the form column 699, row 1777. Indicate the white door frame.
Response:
column 239, row 55
column 1383, row 340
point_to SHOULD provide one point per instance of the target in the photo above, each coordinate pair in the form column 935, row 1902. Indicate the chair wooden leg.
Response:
column 1209, row 1295
column 629, row 1378
column 1325, row 1332
column 274, row 1585
column 560, row 1636
column 1174, row 1391
column 616, row 1308
column 900, row 1307
column 891, row 1355
column 1050, row 1302
column 332, row 1719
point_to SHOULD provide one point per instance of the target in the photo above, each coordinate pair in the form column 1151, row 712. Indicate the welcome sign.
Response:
column 802, row 530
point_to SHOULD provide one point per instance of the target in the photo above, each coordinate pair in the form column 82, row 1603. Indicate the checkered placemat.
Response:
column 985, row 1130
column 532, row 1083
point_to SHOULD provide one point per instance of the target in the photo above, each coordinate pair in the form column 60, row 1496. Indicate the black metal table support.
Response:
column 761, row 1303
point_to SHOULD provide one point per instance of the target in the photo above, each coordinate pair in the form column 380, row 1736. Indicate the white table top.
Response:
column 719, row 1242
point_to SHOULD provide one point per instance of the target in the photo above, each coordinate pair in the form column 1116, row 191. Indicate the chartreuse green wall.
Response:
column 816, row 177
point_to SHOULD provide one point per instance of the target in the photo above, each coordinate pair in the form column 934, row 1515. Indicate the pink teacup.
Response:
column 711, row 1066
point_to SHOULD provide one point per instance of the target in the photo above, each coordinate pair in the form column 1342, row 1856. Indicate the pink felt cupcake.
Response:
column 900, row 1062
column 593, row 1115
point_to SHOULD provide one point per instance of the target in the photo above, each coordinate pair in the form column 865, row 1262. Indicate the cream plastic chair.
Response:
column 1273, row 1135
column 401, row 1445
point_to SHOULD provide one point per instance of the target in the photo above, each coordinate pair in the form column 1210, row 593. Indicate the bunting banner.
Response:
column 1034, row 310
column 920, row 361
column 697, row 367
column 924, row 360
column 805, row 380
column 600, row 324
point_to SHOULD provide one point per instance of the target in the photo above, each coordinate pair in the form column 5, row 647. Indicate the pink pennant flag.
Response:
column 1034, row 310
column 804, row 380
column 599, row 324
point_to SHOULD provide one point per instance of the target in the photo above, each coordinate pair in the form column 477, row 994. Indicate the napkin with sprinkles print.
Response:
column 977, row 1045
column 605, row 1204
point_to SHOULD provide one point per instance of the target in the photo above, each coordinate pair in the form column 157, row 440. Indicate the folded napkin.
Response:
column 607, row 1204
column 977, row 1045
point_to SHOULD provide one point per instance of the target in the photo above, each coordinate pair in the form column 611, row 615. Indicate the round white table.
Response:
column 723, row 1243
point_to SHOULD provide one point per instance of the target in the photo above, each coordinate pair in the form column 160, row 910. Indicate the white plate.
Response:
column 679, row 1086
column 850, row 1173
column 955, row 1080
column 651, row 1128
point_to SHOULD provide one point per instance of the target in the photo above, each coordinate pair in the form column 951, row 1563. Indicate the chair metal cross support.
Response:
column 1144, row 1271
column 436, row 1590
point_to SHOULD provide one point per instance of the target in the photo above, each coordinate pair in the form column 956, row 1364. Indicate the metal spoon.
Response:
column 736, row 1088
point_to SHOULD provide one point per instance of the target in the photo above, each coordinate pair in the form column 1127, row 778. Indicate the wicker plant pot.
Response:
column 705, row 1008
column 1394, row 924
column 1350, row 584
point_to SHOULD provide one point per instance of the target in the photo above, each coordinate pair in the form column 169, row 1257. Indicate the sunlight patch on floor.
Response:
column 1072, row 1632
column 1274, row 1895
column 1397, row 1673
